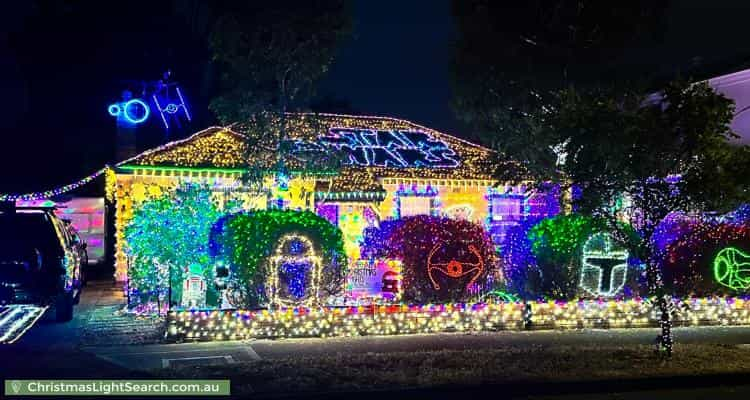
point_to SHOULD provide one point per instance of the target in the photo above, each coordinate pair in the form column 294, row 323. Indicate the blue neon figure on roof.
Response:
column 133, row 111
column 130, row 112
column 171, row 108
column 167, row 99
column 114, row 109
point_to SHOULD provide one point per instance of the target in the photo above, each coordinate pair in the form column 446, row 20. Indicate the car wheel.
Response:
column 64, row 307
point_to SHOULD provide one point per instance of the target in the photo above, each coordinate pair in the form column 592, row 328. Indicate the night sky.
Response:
column 398, row 63
column 60, row 66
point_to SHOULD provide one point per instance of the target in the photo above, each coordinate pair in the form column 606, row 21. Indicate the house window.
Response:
column 415, row 205
column 507, row 212
column 506, row 208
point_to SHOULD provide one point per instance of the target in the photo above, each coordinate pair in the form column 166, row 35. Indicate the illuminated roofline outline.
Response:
column 471, row 156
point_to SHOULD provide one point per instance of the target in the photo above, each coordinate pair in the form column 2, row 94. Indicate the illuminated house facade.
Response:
column 393, row 168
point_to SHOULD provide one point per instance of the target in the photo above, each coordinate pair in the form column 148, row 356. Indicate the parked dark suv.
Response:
column 40, row 263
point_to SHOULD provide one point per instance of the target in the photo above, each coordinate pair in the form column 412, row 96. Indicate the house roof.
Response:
column 372, row 148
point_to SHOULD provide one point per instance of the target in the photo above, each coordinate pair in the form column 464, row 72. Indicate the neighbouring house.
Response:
column 736, row 86
column 87, row 216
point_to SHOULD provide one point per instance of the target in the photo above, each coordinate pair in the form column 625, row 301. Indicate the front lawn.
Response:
column 390, row 371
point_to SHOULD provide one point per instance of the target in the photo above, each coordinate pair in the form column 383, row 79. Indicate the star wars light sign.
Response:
column 732, row 268
column 380, row 148
column 605, row 266
column 169, row 107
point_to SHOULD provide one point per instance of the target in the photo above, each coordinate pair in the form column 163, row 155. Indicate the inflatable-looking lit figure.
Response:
column 604, row 266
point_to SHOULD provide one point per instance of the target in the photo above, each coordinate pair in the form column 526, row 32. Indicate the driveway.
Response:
column 51, row 349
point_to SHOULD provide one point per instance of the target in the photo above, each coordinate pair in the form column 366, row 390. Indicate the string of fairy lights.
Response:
column 432, row 318
column 53, row 192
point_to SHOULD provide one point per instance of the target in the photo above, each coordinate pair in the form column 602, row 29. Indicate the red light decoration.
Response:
column 686, row 261
column 441, row 257
column 453, row 268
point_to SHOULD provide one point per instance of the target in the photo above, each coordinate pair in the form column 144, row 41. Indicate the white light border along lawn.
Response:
column 206, row 325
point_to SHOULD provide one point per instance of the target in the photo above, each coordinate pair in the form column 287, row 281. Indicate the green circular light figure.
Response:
column 732, row 268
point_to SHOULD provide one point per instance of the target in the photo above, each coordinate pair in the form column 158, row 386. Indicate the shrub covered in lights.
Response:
column 556, row 245
column 246, row 242
column 558, row 239
column 167, row 237
column 543, row 259
column 518, row 261
column 444, row 259
column 689, row 251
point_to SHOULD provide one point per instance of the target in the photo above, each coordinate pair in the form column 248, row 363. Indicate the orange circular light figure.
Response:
column 455, row 269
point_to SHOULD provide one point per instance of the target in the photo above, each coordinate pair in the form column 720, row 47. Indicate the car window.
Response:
column 21, row 232
column 65, row 230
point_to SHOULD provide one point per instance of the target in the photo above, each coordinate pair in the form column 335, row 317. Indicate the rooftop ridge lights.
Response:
column 116, row 110
column 175, row 168
column 600, row 261
column 168, row 145
column 732, row 268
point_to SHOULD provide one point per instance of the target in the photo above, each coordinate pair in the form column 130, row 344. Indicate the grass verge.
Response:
column 402, row 370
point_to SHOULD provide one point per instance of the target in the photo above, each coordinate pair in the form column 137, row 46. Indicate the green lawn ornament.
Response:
column 732, row 268
column 604, row 266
